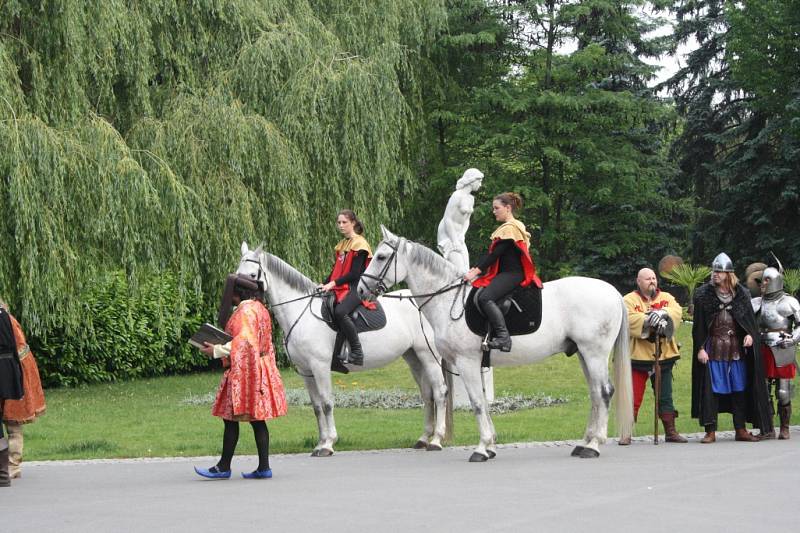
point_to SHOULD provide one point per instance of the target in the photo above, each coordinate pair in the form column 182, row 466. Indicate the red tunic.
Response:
column 528, row 267
column 32, row 404
column 251, row 388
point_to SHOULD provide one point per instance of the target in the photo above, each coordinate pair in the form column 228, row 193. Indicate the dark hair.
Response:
column 511, row 199
column 351, row 216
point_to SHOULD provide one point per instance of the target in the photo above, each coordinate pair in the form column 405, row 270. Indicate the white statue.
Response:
column 453, row 226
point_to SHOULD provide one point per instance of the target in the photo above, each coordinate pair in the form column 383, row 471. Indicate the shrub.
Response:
column 124, row 337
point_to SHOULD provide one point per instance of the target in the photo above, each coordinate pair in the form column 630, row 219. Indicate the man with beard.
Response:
column 650, row 310
column 727, row 371
column 778, row 316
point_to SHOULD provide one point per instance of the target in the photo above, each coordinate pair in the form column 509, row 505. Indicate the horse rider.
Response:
column 352, row 256
column 778, row 316
column 508, row 265
column 650, row 308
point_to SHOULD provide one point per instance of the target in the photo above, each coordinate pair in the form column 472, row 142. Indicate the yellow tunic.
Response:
column 514, row 230
column 356, row 243
column 641, row 349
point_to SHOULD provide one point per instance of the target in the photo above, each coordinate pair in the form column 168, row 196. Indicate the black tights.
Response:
column 231, row 437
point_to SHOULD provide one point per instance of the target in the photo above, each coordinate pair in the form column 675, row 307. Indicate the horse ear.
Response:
column 387, row 235
column 245, row 248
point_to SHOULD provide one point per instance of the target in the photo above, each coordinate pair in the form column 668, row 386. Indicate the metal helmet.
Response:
column 772, row 280
column 722, row 263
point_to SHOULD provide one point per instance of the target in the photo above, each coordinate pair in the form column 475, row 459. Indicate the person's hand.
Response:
column 748, row 341
column 207, row 349
column 653, row 319
column 328, row 286
column 471, row 274
column 702, row 356
column 786, row 342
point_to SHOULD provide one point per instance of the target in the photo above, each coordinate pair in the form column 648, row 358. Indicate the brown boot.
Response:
column 785, row 412
column 670, row 433
column 5, row 480
column 745, row 436
column 711, row 436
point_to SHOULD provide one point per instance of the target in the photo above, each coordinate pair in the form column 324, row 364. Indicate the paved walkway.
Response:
column 728, row 486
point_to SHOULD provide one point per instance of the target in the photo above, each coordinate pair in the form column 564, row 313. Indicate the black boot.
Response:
column 501, row 340
column 337, row 361
column 5, row 480
column 347, row 327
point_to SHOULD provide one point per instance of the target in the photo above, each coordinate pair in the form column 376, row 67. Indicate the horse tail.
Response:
column 622, row 377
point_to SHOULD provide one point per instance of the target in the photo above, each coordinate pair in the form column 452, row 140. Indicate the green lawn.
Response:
column 149, row 418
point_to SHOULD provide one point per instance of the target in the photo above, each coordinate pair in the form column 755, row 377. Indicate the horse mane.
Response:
column 287, row 273
column 425, row 257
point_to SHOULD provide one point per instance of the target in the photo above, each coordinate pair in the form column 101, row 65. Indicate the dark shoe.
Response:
column 258, row 474
column 766, row 435
column 710, row 437
column 501, row 340
column 743, row 435
column 213, row 473
column 785, row 412
column 5, row 480
column 670, row 433
column 347, row 327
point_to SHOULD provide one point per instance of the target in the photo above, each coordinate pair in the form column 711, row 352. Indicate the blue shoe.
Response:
column 258, row 474
column 213, row 473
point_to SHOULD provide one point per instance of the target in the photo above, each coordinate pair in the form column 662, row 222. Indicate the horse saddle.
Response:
column 522, row 309
column 365, row 319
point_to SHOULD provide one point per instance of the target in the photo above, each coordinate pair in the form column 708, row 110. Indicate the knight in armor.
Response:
column 727, row 371
column 507, row 265
column 778, row 316
column 653, row 313
column 352, row 256
column 11, row 384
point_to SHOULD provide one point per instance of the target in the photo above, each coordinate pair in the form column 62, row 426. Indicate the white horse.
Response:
column 580, row 315
column 310, row 345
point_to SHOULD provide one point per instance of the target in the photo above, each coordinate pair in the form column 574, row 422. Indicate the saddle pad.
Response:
column 523, row 317
column 364, row 319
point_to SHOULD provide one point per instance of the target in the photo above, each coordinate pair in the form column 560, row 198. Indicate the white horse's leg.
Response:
column 316, row 405
column 434, row 394
column 426, row 394
column 470, row 370
column 595, row 368
column 322, row 379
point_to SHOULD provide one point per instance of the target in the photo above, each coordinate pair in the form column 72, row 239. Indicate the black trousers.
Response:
column 349, row 304
column 739, row 408
column 502, row 284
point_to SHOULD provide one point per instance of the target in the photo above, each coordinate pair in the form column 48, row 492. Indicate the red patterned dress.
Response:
column 251, row 388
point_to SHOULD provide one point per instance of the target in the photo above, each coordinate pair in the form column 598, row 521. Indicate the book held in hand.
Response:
column 210, row 334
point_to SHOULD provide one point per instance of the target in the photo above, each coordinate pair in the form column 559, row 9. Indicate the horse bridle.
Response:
column 380, row 285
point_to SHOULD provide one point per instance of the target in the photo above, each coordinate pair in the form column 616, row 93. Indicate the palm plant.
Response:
column 791, row 281
column 689, row 277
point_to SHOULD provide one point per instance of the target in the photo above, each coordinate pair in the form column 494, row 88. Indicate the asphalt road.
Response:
column 727, row 486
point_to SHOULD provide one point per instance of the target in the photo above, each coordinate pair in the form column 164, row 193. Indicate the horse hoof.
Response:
column 315, row 453
column 577, row 451
column 434, row 447
column 420, row 445
column 588, row 453
column 478, row 458
column 324, row 452
column 492, row 454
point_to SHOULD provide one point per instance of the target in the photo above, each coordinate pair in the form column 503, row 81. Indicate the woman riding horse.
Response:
column 352, row 257
column 507, row 265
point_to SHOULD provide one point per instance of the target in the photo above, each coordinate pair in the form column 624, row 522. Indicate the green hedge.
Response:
column 124, row 337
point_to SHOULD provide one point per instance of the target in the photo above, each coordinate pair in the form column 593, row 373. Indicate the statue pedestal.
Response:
column 460, row 398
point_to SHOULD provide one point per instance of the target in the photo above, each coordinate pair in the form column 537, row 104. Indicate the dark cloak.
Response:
column 706, row 404
column 10, row 369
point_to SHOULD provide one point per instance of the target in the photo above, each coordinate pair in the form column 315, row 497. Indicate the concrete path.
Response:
column 728, row 486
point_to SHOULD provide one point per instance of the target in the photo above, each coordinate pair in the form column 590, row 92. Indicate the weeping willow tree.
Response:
column 153, row 136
